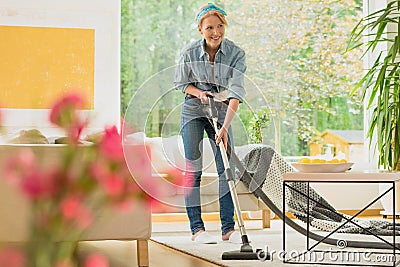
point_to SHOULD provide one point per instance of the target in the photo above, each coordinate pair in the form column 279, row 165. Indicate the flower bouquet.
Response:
column 91, row 177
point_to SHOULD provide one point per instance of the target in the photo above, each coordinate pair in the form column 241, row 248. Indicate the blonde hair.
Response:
column 212, row 12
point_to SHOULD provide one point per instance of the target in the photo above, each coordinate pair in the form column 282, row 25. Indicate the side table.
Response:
column 345, row 177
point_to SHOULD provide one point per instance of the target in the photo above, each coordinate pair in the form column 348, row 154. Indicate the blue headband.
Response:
column 211, row 6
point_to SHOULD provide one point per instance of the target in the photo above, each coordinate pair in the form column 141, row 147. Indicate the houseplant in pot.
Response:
column 381, row 86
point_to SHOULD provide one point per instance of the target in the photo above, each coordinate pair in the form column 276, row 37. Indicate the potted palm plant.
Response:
column 381, row 83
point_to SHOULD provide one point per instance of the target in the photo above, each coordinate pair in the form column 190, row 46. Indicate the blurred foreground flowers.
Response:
column 65, row 198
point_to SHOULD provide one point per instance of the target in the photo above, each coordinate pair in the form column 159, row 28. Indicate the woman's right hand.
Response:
column 204, row 96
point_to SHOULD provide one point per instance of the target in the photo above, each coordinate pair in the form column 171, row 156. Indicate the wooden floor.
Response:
column 119, row 254
column 161, row 256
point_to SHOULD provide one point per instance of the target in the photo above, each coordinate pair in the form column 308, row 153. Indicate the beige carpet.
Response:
column 262, row 238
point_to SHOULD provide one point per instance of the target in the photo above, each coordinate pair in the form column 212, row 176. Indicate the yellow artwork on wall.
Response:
column 39, row 64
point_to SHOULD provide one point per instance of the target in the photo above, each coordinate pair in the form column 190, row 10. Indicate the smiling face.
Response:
column 213, row 30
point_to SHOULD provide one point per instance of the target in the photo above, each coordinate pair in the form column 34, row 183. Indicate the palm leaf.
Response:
column 381, row 82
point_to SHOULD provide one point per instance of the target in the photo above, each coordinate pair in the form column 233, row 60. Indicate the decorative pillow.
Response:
column 159, row 163
column 32, row 136
column 166, row 152
column 160, row 159
column 173, row 151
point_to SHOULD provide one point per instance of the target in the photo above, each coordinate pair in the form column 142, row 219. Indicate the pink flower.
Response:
column 64, row 114
column 96, row 260
column 99, row 170
column 32, row 185
column 23, row 170
column 18, row 164
column 111, row 144
column 114, row 185
column 75, row 130
column 39, row 184
column 72, row 209
column 11, row 257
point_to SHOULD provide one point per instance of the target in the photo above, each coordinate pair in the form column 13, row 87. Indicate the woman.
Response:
column 214, row 66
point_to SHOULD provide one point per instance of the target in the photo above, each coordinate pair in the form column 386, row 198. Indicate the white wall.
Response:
column 101, row 15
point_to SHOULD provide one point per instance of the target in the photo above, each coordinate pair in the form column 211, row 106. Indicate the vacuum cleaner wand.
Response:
column 246, row 252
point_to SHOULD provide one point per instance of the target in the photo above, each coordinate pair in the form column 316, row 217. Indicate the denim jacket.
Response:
column 229, row 66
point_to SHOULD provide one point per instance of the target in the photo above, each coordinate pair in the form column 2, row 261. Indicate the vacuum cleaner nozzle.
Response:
column 246, row 252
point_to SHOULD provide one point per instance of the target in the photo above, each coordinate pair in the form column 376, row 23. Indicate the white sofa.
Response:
column 15, row 210
column 168, row 152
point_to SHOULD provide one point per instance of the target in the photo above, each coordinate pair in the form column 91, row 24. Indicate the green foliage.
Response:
column 152, row 34
column 259, row 121
column 380, row 85
column 296, row 56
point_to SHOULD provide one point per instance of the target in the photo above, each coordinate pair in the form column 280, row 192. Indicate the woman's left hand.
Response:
column 222, row 135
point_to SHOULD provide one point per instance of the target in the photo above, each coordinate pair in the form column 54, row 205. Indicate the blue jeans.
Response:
column 193, row 124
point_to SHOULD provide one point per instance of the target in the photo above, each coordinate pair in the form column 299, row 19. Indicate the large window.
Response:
column 296, row 61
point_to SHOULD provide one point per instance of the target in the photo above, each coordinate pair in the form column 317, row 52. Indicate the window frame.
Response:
column 370, row 6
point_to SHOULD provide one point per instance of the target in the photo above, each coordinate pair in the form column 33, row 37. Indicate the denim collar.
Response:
column 222, row 48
